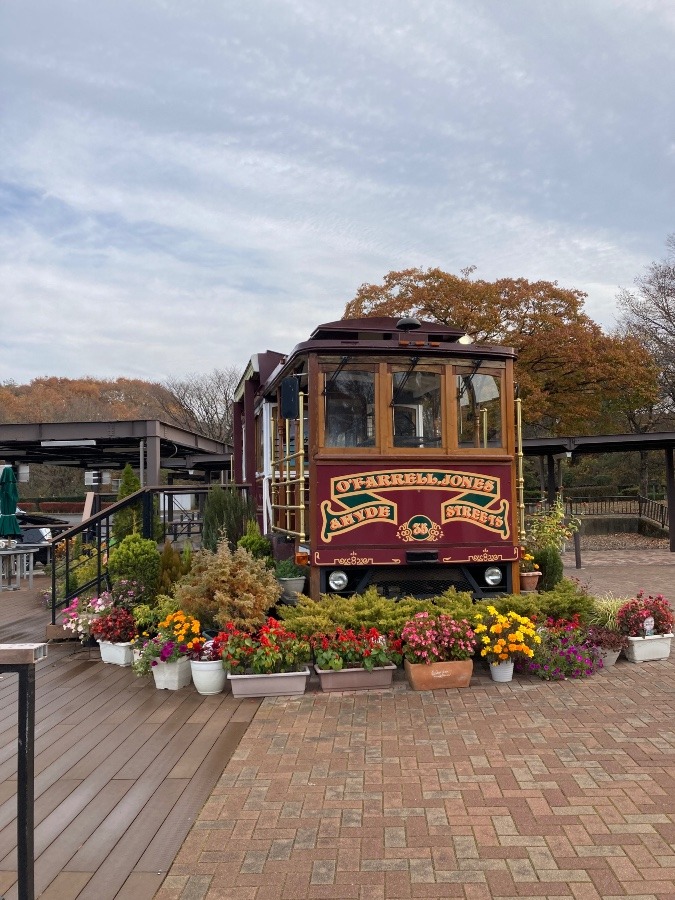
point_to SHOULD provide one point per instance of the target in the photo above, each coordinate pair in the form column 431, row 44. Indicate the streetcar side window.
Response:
column 479, row 410
column 416, row 406
column 350, row 409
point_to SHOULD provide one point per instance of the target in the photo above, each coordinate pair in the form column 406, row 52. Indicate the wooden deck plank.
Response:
column 66, row 886
column 45, row 804
column 167, row 842
column 111, row 873
column 140, row 884
column 138, row 816
column 122, row 770
column 51, row 855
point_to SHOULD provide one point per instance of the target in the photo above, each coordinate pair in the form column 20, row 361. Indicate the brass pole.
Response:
column 520, row 479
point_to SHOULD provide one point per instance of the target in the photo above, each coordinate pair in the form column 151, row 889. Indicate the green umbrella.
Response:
column 9, row 524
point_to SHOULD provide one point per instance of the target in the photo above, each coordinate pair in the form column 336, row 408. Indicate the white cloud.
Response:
column 186, row 184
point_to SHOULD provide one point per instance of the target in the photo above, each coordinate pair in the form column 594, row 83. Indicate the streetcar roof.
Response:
column 372, row 335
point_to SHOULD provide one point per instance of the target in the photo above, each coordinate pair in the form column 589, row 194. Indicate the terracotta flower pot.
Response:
column 529, row 581
column 433, row 676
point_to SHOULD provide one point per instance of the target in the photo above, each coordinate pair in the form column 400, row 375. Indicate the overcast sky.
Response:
column 184, row 183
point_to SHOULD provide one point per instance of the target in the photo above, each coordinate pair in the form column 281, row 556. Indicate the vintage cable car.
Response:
column 385, row 452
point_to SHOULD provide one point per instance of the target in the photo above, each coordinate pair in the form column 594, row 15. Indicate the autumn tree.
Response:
column 52, row 399
column 648, row 313
column 202, row 403
column 573, row 377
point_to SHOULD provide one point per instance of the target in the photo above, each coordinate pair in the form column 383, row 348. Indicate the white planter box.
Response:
column 279, row 684
column 117, row 654
column 171, row 676
column 645, row 649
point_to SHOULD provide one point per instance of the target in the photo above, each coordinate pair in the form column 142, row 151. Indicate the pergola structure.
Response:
column 147, row 444
column 555, row 447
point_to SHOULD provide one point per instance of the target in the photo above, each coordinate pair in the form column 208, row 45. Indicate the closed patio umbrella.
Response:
column 9, row 494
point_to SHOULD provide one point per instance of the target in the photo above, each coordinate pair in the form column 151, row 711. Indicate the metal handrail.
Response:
column 98, row 528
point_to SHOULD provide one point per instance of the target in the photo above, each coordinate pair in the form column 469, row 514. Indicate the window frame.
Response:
column 497, row 372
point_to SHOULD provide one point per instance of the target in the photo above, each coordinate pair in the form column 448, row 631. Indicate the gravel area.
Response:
column 623, row 541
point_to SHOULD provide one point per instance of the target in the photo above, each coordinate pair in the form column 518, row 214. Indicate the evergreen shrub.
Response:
column 227, row 586
column 370, row 610
column 137, row 559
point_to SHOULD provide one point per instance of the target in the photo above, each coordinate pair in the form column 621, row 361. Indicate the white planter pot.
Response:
column 117, row 654
column 645, row 649
column 208, row 676
column 609, row 657
column 502, row 671
column 172, row 675
column 290, row 588
column 278, row 684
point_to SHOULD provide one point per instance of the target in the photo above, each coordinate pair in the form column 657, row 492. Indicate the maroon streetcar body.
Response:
column 386, row 452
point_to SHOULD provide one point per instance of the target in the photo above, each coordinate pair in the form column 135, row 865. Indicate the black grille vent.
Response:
column 418, row 582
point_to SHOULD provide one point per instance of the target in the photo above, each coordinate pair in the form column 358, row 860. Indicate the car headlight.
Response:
column 337, row 580
column 493, row 576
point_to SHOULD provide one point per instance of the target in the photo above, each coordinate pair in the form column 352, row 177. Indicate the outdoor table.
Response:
column 16, row 564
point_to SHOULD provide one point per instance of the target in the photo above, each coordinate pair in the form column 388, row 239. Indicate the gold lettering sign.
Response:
column 356, row 500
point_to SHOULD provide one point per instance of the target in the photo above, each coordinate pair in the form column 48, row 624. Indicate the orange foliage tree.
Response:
column 573, row 377
column 52, row 399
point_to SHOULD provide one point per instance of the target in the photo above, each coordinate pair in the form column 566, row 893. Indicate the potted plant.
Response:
column 291, row 578
column 268, row 662
column 565, row 651
column 502, row 638
column 348, row 660
column 81, row 613
column 529, row 571
column 115, row 632
column 206, row 665
column 604, row 629
column 227, row 586
column 609, row 642
column 167, row 655
column 648, row 623
column 438, row 651
column 547, row 532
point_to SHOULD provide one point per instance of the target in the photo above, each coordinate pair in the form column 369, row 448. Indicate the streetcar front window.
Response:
column 416, row 405
column 479, row 410
column 350, row 409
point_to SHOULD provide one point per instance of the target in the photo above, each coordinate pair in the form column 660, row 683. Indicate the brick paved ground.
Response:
column 533, row 789
column 622, row 572
column 525, row 790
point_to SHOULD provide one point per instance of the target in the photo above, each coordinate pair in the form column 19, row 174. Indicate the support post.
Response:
column 551, row 483
column 670, row 493
column 21, row 658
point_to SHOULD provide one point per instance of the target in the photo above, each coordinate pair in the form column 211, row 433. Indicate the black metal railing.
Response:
column 641, row 507
column 80, row 554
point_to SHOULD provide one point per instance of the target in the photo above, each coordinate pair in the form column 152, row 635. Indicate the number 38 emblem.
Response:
column 420, row 528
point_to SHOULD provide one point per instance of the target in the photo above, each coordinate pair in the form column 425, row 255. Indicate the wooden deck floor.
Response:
column 121, row 769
